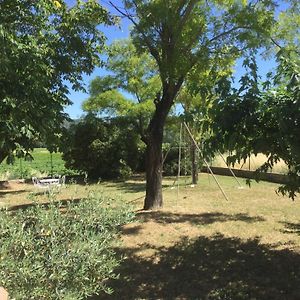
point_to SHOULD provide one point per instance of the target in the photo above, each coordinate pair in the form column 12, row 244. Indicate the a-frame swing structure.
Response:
column 184, row 126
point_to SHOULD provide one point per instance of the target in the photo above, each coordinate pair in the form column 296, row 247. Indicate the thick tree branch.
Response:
column 186, row 14
column 227, row 32
column 146, row 39
column 140, row 126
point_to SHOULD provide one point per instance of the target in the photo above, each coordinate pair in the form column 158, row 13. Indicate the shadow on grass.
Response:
column 131, row 187
column 291, row 228
column 196, row 219
column 10, row 192
column 45, row 204
column 132, row 230
column 209, row 268
column 128, row 187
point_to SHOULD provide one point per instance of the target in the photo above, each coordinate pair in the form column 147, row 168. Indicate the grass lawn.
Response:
column 43, row 164
column 200, row 246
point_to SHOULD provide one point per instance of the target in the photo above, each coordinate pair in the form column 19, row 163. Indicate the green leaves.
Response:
column 43, row 45
column 103, row 148
column 110, row 102
column 62, row 251
column 255, row 120
column 181, row 35
column 133, row 73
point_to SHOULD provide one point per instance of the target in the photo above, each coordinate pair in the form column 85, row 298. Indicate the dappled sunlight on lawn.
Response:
column 215, row 267
column 199, row 246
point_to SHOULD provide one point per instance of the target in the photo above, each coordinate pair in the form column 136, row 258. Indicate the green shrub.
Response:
column 107, row 149
column 60, row 252
column 124, row 170
column 171, row 162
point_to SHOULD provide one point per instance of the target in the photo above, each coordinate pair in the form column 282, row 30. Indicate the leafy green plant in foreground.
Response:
column 60, row 252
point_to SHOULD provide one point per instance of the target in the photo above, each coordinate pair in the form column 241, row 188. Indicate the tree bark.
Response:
column 153, row 140
column 154, row 165
column 3, row 155
column 194, row 163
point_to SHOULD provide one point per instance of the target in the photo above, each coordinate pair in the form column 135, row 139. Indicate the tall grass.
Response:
column 252, row 163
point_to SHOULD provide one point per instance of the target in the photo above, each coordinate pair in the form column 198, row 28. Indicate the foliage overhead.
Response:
column 262, row 118
column 286, row 31
column 44, row 45
column 132, row 72
column 181, row 35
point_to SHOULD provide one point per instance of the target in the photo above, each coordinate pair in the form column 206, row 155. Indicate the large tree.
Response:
column 44, row 45
column 184, row 36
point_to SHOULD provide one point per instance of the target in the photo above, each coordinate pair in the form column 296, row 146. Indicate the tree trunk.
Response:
column 194, row 159
column 153, row 140
column 154, row 165
column 3, row 155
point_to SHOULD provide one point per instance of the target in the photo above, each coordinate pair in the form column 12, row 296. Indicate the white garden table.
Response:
column 50, row 181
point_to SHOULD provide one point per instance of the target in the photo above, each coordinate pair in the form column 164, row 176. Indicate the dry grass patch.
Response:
column 252, row 163
column 200, row 246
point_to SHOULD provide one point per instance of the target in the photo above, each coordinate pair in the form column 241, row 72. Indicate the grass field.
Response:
column 43, row 164
column 251, row 163
column 200, row 246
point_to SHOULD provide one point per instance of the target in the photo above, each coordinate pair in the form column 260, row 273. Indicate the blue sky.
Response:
column 112, row 33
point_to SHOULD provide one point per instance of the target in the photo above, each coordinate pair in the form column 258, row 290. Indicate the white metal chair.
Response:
column 63, row 180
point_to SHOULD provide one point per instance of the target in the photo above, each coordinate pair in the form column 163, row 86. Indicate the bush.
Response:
column 60, row 252
column 124, row 170
column 102, row 148
column 170, row 167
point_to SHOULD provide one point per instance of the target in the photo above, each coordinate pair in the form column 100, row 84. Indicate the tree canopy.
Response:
column 262, row 118
column 131, row 72
column 286, row 31
column 103, row 148
column 44, row 46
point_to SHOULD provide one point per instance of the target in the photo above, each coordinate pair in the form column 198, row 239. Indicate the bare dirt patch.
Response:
column 13, row 192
